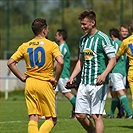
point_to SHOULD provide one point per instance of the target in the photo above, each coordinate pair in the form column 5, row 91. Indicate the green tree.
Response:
column 16, row 18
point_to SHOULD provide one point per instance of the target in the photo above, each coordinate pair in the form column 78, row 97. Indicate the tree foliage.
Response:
column 17, row 16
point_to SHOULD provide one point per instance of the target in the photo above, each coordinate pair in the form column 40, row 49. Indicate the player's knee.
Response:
column 97, row 117
column 54, row 120
column 80, row 117
column 33, row 117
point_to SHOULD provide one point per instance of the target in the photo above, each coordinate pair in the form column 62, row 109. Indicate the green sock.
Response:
column 114, row 104
column 125, row 104
column 73, row 101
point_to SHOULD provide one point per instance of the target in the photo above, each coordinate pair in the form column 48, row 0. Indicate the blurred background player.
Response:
column 124, row 33
column 61, row 36
column 39, row 54
column 118, row 78
column 127, row 47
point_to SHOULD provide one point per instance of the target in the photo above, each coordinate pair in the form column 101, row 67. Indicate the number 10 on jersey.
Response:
column 34, row 56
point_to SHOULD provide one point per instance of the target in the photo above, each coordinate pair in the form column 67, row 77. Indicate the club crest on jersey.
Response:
column 88, row 54
column 41, row 43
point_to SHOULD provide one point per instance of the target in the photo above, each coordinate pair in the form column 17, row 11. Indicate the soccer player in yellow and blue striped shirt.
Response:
column 39, row 55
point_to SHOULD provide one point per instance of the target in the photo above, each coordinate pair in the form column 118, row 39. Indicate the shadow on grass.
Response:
column 129, row 127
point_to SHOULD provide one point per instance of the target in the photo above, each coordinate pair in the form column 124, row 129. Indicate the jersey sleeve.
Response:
column 108, row 48
column 121, row 50
column 18, row 55
column 56, row 50
column 80, row 49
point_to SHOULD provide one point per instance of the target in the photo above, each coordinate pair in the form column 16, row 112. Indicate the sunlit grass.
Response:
column 14, row 119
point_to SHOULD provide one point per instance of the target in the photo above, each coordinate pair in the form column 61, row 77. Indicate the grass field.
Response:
column 14, row 119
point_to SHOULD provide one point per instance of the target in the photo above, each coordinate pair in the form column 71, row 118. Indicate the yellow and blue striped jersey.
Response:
column 127, row 47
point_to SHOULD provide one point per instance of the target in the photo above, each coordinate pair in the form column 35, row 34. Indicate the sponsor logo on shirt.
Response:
column 34, row 43
column 88, row 54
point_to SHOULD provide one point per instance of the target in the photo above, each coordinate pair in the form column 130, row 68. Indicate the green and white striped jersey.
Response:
column 95, row 51
column 66, row 56
column 120, row 66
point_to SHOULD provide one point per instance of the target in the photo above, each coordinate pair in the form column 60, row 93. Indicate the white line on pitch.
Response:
column 3, row 122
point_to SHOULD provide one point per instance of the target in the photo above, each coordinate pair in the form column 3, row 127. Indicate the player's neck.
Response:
column 114, row 39
column 93, row 31
column 40, row 36
column 61, row 42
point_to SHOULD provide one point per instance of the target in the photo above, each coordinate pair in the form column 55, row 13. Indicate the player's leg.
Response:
column 70, row 97
column 98, row 123
column 83, row 108
column 85, row 122
column 124, row 101
column 48, row 108
column 47, row 126
column 114, row 103
column 119, row 86
column 33, row 124
column 31, row 106
column 114, row 100
column 41, row 101
column 120, row 110
column 66, row 92
column 99, row 95
column 120, row 106
column 130, row 80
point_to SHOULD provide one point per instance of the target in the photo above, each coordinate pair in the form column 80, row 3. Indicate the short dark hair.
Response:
column 38, row 24
column 124, row 26
column 89, row 14
column 62, row 32
column 114, row 32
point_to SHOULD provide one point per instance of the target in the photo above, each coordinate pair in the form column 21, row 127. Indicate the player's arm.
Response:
column 121, row 51
column 59, row 67
column 76, row 70
column 13, row 67
column 101, row 78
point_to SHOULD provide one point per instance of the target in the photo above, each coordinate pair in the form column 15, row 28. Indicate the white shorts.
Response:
column 91, row 99
column 61, row 85
column 119, row 81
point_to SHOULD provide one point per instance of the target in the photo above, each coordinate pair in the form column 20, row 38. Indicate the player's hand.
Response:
column 100, row 79
column 69, row 81
column 71, row 86
column 53, row 81
column 23, row 79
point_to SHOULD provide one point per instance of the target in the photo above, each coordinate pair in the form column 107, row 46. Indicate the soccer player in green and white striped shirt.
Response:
column 97, row 59
column 118, row 78
column 61, row 36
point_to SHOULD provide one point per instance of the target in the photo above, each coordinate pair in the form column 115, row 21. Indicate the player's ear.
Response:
column 93, row 23
column 44, row 31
